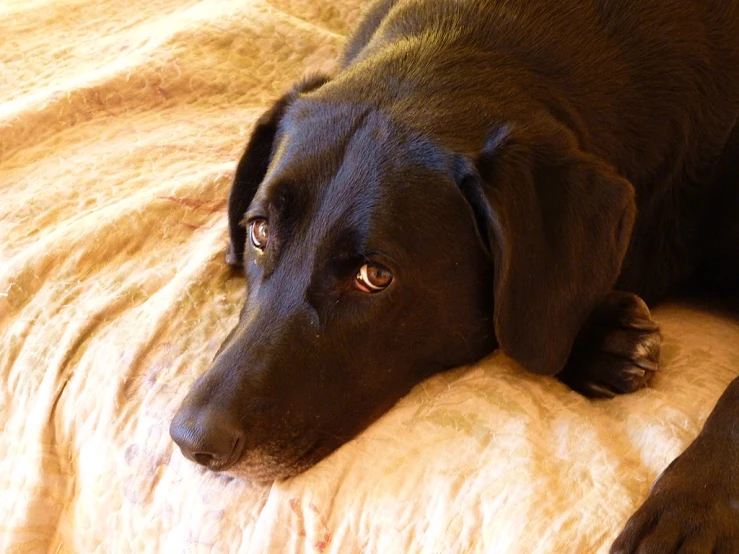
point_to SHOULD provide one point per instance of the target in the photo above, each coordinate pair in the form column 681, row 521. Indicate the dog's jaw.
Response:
column 262, row 466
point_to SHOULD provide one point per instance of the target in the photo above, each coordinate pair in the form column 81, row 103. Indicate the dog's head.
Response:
column 375, row 257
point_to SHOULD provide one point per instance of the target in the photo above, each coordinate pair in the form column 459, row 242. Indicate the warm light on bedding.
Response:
column 120, row 125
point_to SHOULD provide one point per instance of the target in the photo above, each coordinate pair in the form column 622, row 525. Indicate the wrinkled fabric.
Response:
column 120, row 127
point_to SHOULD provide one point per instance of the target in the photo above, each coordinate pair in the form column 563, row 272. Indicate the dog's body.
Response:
column 639, row 85
column 482, row 173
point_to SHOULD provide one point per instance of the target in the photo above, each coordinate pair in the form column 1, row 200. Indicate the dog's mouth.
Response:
column 264, row 465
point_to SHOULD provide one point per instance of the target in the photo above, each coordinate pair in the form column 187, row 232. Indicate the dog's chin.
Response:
column 263, row 467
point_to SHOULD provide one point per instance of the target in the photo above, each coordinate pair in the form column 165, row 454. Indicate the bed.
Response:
column 120, row 127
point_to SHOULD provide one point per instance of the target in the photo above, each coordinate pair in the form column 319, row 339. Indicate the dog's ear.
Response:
column 557, row 222
column 254, row 164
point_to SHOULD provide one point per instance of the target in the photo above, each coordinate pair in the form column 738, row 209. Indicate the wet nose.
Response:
column 208, row 436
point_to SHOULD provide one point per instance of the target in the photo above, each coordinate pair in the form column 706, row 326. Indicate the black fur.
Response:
column 529, row 171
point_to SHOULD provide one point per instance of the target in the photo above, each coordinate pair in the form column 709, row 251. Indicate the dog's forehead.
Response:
column 348, row 169
column 336, row 134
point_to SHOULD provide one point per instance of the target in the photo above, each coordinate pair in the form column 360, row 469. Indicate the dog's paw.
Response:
column 693, row 507
column 617, row 350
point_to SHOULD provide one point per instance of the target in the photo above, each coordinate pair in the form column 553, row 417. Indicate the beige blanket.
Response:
column 120, row 125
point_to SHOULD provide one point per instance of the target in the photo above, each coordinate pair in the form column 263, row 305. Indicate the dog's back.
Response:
column 652, row 87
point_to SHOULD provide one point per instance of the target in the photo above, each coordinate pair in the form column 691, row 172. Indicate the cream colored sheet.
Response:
column 120, row 125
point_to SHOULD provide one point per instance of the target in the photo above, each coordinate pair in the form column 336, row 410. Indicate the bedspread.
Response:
column 120, row 126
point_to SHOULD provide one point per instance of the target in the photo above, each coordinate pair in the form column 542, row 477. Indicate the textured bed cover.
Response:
column 120, row 127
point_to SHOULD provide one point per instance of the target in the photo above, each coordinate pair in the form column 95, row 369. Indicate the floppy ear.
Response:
column 558, row 223
column 254, row 163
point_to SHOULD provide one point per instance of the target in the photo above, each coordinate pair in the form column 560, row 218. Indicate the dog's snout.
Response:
column 208, row 436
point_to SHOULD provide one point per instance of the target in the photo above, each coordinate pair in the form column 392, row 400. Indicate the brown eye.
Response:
column 259, row 233
column 373, row 278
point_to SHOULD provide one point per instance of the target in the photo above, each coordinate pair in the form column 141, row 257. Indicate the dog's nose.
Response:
column 207, row 436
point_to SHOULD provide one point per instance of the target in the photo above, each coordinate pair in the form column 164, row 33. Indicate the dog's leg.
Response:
column 694, row 505
column 617, row 349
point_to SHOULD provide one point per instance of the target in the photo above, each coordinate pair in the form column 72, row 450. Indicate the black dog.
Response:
column 484, row 173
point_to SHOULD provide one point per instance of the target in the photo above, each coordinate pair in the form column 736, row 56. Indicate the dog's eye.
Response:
column 373, row 278
column 259, row 233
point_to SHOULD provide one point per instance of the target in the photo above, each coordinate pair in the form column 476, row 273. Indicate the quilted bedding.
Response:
column 120, row 126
